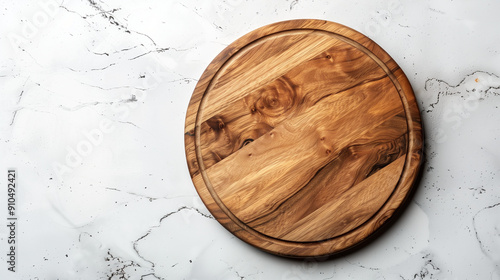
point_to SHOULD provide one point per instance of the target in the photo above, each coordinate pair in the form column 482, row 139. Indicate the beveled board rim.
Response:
column 349, row 240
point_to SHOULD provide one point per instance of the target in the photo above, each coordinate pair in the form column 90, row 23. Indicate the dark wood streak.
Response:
column 381, row 158
column 328, row 182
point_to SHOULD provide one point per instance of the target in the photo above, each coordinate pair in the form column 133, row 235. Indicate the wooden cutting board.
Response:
column 303, row 138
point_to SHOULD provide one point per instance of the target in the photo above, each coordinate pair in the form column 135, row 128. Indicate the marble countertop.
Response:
column 93, row 95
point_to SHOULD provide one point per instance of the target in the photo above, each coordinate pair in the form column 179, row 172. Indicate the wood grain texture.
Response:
column 303, row 138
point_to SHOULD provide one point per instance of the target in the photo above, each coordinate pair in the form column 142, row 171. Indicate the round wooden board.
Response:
column 303, row 138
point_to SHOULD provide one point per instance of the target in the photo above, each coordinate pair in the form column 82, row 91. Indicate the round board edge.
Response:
column 400, row 197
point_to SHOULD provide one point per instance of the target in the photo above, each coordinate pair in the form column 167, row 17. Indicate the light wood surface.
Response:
column 303, row 138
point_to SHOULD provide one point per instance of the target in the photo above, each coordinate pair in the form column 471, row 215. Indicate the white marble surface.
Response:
column 93, row 95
